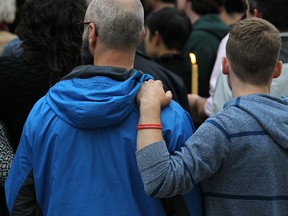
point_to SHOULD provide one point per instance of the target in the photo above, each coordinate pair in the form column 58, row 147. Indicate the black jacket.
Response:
column 170, row 80
column 21, row 85
column 179, row 65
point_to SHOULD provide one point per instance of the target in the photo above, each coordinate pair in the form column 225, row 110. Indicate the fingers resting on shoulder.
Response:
column 152, row 93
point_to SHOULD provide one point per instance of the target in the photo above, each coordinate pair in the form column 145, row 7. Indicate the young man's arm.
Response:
column 150, row 100
column 177, row 128
column 164, row 174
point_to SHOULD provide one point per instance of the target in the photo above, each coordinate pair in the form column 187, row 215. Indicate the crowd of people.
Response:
column 98, row 117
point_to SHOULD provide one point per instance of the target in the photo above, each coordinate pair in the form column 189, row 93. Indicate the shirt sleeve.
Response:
column 222, row 94
column 166, row 175
column 217, row 70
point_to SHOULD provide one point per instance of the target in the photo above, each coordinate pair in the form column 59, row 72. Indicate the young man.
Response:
column 239, row 156
column 273, row 13
column 76, row 154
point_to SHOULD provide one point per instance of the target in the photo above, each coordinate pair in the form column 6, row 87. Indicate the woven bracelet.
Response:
column 149, row 126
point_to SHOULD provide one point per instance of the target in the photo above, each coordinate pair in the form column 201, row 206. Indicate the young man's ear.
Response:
column 156, row 39
column 278, row 69
column 225, row 66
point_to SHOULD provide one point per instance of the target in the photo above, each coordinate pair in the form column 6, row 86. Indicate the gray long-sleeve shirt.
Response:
column 239, row 156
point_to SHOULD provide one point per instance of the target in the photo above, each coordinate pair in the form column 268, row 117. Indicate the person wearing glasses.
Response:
column 76, row 155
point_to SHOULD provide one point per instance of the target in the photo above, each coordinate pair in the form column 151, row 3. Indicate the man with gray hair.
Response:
column 76, row 155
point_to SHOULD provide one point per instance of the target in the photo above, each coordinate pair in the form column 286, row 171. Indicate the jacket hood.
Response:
column 211, row 23
column 93, row 97
column 271, row 113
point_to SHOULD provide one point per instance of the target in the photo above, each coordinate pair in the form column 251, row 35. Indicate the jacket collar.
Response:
column 88, row 71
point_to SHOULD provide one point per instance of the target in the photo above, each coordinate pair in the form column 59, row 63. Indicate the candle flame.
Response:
column 193, row 58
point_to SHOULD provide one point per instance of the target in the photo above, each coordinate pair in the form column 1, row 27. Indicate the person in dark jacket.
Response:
column 201, row 107
column 76, row 155
column 167, row 32
column 51, row 40
column 45, row 58
column 208, row 31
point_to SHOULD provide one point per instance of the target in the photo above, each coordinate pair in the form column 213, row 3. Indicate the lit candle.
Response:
column 194, row 74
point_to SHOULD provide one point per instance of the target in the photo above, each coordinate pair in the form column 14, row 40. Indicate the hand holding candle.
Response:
column 194, row 74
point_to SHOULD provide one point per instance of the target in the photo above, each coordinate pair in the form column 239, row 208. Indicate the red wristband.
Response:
column 149, row 126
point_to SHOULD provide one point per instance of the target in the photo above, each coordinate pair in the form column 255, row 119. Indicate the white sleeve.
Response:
column 222, row 93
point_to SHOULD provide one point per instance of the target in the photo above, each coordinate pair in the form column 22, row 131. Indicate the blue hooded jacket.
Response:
column 78, row 148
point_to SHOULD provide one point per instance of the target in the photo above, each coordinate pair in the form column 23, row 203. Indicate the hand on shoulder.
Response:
column 152, row 95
